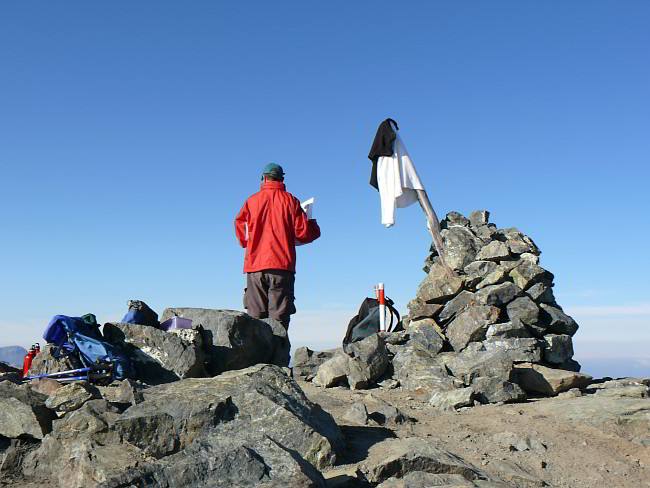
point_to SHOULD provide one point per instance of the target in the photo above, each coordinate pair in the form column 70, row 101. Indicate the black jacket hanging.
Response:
column 381, row 146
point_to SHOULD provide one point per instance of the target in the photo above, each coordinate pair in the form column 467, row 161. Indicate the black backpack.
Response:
column 366, row 322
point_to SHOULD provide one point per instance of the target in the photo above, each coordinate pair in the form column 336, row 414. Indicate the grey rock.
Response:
column 622, row 388
column 333, row 371
column 306, row 362
column 496, row 277
column 281, row 347
column 23, row 412
column 395, row 338
column 496, row 390
column 557, row 321
column 531, row 258
column 455, row 219
column 46, row 363
column 527, row 274
column 516, row 349
column 452, row 399
column 368, row 361
column 419, row 309
column 507, row 330
column 497, row 294
column 159, row 356
column 479, row 218
column 523, row 309
column 232, row 339
column 569, row 365
column 485, row 232
column 460, row 246
column 388, row 384
column 456, row 305
column 535, row 378
column 540, row 293
column 225, row 462
column 472, row 364
column 471, row 325
column 418, row 372
column 426, row 335
column 356, row 414
column 12, row 454
column 494, row 251
column 438, row 287
column 558, row 348
column 520, row 244
column 475, row 272
column 72, row 396
column 395, row 458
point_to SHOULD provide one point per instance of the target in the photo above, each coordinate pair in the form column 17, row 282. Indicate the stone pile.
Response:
column 489, row 331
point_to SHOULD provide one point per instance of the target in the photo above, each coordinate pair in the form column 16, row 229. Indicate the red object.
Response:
column 274, row 220
column 27, row 360
column 382, row 299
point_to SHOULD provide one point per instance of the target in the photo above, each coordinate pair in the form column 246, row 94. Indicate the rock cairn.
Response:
column 489, row 332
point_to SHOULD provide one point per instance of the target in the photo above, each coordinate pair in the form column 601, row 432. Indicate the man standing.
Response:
column 268, row 226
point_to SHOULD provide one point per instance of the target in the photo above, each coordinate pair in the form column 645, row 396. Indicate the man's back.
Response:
column 268, row 225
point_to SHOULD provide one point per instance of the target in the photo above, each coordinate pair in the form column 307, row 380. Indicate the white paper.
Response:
column 307, row 206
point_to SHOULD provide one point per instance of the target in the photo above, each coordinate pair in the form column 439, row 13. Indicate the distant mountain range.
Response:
column 13, row 355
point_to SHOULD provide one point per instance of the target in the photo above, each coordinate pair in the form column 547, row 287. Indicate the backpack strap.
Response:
column 393, row 311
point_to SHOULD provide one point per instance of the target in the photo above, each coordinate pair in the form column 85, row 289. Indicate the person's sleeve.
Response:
column 240, row 225
column 306, row 230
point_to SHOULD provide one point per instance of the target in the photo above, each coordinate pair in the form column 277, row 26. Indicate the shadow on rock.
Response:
column 360, row 439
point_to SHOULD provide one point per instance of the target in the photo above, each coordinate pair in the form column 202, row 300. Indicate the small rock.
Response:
column 71, row 397
column 452, row 399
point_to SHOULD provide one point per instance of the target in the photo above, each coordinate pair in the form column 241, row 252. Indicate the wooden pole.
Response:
column 434, row 228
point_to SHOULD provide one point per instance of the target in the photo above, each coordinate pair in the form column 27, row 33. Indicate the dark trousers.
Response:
column 269, row 293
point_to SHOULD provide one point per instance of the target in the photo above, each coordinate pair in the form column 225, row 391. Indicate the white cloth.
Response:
column 397, row 181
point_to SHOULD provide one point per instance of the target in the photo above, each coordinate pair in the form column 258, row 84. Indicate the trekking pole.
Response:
column 54, row 375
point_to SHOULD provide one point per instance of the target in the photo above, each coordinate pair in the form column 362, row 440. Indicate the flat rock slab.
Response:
column 395, row 458
column 535, row 378
column 452, row 399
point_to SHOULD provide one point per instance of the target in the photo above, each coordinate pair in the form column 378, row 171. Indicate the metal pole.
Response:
column 434, row 228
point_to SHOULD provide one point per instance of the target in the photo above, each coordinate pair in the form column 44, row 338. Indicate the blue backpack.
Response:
column 81, row 336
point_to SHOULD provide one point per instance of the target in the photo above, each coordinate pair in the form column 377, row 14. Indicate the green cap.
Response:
column 272, row 169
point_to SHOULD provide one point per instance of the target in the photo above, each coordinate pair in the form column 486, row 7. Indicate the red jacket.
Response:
column 275, row 220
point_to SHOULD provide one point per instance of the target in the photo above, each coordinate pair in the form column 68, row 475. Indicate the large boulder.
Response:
column 243, row 428
column 417, row 371
column 527, row 274
column 476, row 362
column 23, row 412
column 460, row 246
column 497, row 295
column 159, row 356
column 517, row 349
column 558, row 348
column 233, row 339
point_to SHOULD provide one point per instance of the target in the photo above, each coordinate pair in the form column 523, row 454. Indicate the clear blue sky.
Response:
column 132, row 132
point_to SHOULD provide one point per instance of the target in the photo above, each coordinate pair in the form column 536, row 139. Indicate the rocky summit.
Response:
column 477, row 388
